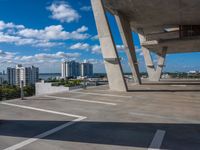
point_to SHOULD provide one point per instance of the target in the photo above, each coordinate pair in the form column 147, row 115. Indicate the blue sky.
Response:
column 45, row 32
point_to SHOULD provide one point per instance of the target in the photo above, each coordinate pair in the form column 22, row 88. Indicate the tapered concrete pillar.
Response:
column 126, row 35
column 149, row 63
column 161, row 62
column 154, row 73
column 108, row 48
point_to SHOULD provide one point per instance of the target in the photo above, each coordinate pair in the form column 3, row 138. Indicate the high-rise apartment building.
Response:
column 75, row 69
column 86, row 69
column 70, row 69
column 63, row 69
column 11, row 76
column 29, row 75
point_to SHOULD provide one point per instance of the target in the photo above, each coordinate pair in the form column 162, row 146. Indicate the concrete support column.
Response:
column 161, row 61
column 126, row 35
column 149, row 63
column 108, row 48
column 154, row 73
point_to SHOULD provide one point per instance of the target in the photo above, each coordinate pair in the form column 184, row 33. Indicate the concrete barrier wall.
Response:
column 46, row 88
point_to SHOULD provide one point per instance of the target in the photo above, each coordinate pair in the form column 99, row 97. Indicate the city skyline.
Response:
column 60, row 30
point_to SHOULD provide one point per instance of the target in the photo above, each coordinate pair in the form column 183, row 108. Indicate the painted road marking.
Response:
column 47, row 133
column 83, row 100
column 101, row 94
column 43, row 135
column 42, row 110
column 157, row 140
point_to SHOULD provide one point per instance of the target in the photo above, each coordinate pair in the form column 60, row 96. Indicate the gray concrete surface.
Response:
column 135, row 122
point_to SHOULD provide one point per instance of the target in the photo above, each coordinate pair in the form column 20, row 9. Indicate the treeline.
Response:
column 66, row 83
column 12, row 92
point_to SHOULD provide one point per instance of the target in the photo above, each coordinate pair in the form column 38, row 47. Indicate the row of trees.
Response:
column 12, row 92
column 66, row 83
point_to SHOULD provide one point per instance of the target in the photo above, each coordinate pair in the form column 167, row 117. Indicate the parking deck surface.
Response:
column 148, row 117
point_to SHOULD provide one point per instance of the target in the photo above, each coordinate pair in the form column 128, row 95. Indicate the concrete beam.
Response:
column 108, row 48
column 163, row 36
column 126, row 35
column 154, row 73
column 190, row 44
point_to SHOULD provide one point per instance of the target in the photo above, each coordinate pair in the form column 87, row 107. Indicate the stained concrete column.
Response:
column 108, row 48
column 154, row 73
column 149, row 63
column 161, row 61
column 126, row 35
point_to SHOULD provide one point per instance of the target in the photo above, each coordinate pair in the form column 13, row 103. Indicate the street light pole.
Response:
column 22, row 90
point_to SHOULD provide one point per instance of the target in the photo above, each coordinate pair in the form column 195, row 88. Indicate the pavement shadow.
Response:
column 178, row 136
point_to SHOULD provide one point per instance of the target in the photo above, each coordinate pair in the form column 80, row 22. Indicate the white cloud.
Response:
column 86, row 8
column 6, row 56
column 4, row 38
column 120, row 47
column 10, row 58
column 63, row 12
column 80, row 46
column 96, row 49
column 4, row 25
column 55, row 32
column 94, row 61
column 8, row 38
column 50, row 36
column 46, row 57
column 141, row 54
column 48, row 33
column 82, row 29
column 47, row 44
column 95, row 37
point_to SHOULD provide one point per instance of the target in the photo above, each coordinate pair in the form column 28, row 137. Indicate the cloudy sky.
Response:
column 44, row 33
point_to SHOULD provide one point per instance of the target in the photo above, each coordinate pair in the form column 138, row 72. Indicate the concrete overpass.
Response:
column 170, row 26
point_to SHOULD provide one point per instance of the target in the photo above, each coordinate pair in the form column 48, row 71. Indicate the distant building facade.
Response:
column 75, row 69
column 63, row 69
column 86, row 69
column 72, row 69
column 29, row 75
column 11, row 76
column 3, row 78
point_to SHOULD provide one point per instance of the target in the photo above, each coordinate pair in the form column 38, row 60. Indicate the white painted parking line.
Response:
column 157, row 140
column 47, row 133
column 83, row 100
column 43, row 135
column 42, row 110
column 101, row 94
